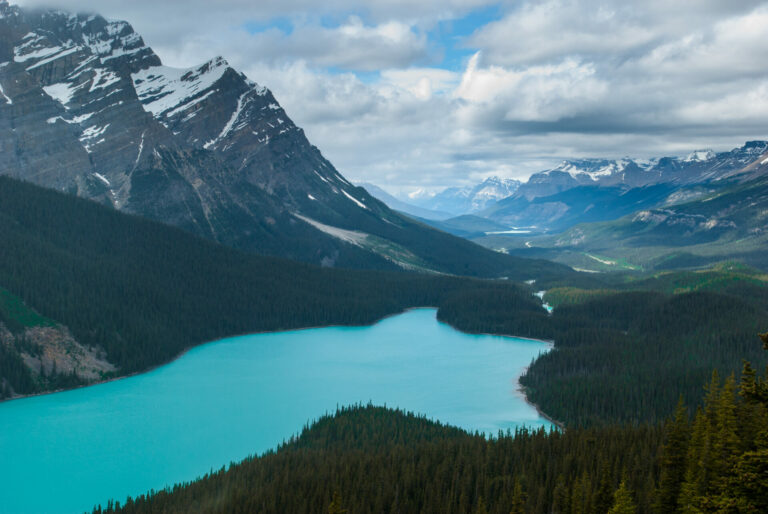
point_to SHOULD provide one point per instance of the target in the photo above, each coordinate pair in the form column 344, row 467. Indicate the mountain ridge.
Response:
column 88, row 108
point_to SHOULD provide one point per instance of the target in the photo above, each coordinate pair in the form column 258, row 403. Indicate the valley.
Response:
column 463, row 312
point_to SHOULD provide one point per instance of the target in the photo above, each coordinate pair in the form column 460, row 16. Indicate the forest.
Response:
column 144, row 291
column 623, row 356
column 625, row 353
column 370, row 459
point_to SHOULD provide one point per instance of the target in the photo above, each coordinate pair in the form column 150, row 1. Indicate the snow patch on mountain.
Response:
column 162, row 89
column 61, row 92
column 358, row 202
column 700, row 156
column 228, row 126
column 7, row 99
column 592, row 169
column 350, row 236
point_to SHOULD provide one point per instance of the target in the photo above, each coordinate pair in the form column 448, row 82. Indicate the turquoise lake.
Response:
column 225, row 400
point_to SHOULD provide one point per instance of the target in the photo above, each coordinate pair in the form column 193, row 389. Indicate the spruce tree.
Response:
column 673, row 460
column 726, row 441
column 604, row 494
column 622, row 501
column 335, row 506
column 693, row 487
column 518, row 499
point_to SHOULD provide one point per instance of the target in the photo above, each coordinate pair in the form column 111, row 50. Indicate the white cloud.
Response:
column 553, row 78
column 534, row 93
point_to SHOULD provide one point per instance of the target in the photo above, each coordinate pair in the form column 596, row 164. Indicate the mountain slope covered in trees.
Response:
column 136, row 293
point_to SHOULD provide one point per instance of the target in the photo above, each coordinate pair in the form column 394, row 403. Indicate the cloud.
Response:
column 352, row 45
column 542, row 81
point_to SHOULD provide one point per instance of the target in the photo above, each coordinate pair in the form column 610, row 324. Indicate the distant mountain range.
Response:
column 86, row 107
column 586, row 191
column 698, row 167
column 598, row 190
column 468, row 199
column 715, row 224
column 402, row 206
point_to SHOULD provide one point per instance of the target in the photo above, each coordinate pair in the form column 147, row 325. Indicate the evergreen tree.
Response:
column 693, row 487
column 481, row 508
column 726, row 440
column 560, row 498
column 604, row 494
column 673, row 460
column 335, row 506
column 518, row 499
column 622, row 501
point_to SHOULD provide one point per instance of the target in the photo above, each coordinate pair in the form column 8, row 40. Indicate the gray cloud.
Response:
column 553, row 79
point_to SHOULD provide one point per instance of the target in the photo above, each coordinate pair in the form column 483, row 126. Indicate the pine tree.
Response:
column 481, row 508
column 335, row 506
column 726, row 440
column 694, row 484
column 518, row 499
column 604, row 494
column 622, row 501
column 673, row 460
column 560, row 496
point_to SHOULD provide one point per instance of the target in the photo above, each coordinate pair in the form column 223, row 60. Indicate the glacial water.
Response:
column 225, row 400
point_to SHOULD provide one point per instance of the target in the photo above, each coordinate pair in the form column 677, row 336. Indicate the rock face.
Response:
column 86, row 107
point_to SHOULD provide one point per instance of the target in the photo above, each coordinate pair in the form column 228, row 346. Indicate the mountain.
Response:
column 600, row 190
column 698, row 167
column 88, row 292
column 727, row 222
column 580, row 204
column 468, row 199
column 404, row 207
column 87, row 108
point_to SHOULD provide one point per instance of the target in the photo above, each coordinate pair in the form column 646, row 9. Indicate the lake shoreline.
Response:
column 186, row 350
column 193, row 346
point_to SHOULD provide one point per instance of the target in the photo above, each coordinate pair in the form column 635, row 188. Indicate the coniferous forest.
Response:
column 622, row 360
column 144, row 291
column 369, row 459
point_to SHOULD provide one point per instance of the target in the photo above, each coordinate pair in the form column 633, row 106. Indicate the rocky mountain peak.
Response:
column 86, row 107
column 700, row 156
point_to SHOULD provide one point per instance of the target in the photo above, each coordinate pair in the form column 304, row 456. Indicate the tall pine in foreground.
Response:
column 726, row 463
column 622, row 501
column 673, row 460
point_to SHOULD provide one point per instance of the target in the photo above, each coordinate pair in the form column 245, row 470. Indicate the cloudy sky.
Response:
column 414, row 94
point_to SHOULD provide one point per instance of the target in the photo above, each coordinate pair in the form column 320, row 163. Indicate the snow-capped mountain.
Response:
column 700, row 156
column 697, row 167
column 468, row 199
column 581, row 191
column 87, row 107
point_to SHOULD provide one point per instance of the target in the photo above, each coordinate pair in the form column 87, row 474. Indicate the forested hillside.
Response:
column 140, row 292
column 368, row 459
column 626, row 355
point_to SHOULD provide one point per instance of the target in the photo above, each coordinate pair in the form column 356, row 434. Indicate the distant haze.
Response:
column 432, row 94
